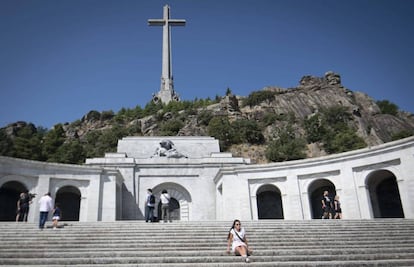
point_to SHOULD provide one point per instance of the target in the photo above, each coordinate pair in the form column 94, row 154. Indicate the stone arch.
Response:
column 315, row 193
column 269, row 202
column 180, row 197
column 9, row 195
column 384, row 194
column 69, row 199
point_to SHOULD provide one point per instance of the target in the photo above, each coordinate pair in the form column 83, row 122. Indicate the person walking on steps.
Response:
column 57, row 214
column 22, row 207
column 45, row 205
column 165, row 206
column 238, row 241
column 149, row 206
column 337, row 207
column 326, row 206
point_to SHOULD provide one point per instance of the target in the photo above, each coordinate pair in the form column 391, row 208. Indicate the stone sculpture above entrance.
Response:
column 167, row 149
column 141, row 147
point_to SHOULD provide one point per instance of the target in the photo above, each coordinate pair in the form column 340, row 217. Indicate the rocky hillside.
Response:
column 270, row 111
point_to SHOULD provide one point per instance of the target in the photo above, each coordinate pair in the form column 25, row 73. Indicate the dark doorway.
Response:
column 384, row 195
column 269, row 202
column 9, row 195
column 68, row 198
column 315, row 192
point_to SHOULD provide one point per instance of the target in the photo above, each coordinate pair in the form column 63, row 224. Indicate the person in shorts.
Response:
column 57, row 214
column 337, row 208
column 326, row 206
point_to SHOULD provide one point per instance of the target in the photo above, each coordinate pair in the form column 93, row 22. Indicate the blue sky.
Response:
column 59, row 59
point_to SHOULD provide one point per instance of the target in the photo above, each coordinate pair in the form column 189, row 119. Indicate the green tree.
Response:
column 286, row 147
column 346, row 140
column 70, row 152
column 52, row 141
column 204, row 117
column 401, row 134
column 331, row 127
column 90, row 144
column 93, row 115
column 258, row 97
column 220, row 128
column 107, row 115
column 108, row 141
column 268, row 119
column 27, row 143
column 336, row 118
column 228, row 91
column 387, row 107
column 151, row 108
column 171, row 127
column 315, row 128
column 6, row 144
column 247, row 131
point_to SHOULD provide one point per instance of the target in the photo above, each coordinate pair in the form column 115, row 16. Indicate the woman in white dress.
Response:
column 238, row 241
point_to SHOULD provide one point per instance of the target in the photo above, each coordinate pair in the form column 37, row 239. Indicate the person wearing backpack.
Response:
column 149, row 206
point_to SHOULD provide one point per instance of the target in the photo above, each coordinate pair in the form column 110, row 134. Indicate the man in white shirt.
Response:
column 45, row 205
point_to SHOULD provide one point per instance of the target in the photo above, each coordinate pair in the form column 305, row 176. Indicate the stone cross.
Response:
column 166, row 93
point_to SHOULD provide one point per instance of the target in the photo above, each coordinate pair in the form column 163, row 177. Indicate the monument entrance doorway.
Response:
column 179, row 202
column 69, row 198
column 9, row 195
column 384, row 195
column 269, row 202
column 315, row 193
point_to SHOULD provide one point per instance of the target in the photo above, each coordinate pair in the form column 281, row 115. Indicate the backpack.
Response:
column 152, row 199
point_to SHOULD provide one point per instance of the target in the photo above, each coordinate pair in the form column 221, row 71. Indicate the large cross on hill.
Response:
column 166, row 93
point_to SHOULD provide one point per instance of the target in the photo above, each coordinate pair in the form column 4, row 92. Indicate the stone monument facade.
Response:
column 206, row 184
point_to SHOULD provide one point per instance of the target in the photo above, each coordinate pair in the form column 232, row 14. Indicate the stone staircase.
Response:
column 380, row 242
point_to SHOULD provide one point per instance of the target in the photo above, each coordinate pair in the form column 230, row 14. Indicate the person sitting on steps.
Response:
column 238, row 241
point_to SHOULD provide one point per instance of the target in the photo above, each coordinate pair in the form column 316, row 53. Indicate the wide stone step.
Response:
column 195, row 260
column 259, row 250
column 207, row 246
column 281, row 243
column 200, row 253
column 368, row 263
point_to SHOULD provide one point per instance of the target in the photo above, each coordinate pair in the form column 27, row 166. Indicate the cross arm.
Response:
column 171, row 22
column 156, row 22
column 176, row 22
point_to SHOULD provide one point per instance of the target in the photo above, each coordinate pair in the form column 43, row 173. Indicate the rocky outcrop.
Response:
column 288, row 105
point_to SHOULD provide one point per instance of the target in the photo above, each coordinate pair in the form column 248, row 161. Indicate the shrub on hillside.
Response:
column 258, row 97
column 387, row 107
column 286, row 146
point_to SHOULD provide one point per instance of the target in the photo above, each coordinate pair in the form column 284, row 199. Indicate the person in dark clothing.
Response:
column 57, row 214
column 326, row 206
column 23, row 207
column 149, row 206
